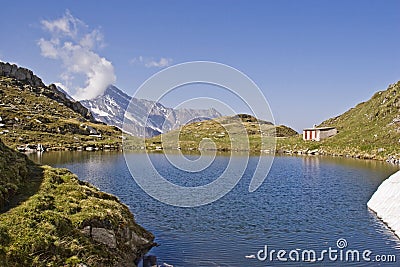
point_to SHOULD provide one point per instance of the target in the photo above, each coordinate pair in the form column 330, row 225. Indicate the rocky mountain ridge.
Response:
column 27, row 77
column 33, row 114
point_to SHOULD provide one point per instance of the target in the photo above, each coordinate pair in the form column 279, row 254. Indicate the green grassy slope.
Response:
column 14, row 170
column 241, row 132
column 53, row 219
column 369, row 130
column 30, row 117
column 48, row 217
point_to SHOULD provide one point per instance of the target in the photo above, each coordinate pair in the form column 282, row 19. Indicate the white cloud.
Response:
column 66, row 25
column 163, row 62
column 48, row 48
column 150, row 62
column 91, row 39
column 74, row 45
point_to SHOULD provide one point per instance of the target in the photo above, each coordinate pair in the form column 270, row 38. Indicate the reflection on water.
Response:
column 311, row 165
column 306, row 202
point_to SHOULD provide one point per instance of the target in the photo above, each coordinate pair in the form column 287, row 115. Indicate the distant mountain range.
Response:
column 144, row 117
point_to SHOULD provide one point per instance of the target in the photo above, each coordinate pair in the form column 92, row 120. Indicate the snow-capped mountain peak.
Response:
column 151, row 116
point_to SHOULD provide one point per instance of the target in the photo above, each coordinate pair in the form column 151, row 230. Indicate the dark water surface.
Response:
column 306, row 203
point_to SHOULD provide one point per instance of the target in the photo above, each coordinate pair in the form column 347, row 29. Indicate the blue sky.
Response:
column 311, row 59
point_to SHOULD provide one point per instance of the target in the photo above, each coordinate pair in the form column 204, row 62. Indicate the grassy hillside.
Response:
column 14, row 170
column 28, row 116
column 369, row 130
column 53, row 219
column 48, row 217
column 242, row 132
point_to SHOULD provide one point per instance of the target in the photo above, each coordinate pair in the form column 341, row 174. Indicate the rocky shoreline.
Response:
column 119, row 147
column 389, row 159
column 84, row 147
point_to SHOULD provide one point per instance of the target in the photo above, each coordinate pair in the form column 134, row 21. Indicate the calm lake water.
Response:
column 306, row 203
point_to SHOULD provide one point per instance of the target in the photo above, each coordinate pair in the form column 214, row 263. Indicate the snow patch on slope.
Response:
column 385, row 202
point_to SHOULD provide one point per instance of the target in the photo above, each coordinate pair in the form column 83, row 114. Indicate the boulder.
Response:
column 129, row 239
column 104, row 236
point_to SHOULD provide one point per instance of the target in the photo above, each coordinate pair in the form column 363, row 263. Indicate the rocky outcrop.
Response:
column 129, row 239
column 21, row 74
column 26, row 77
column 385, row 202
column 104, row 236
column 76, row 106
